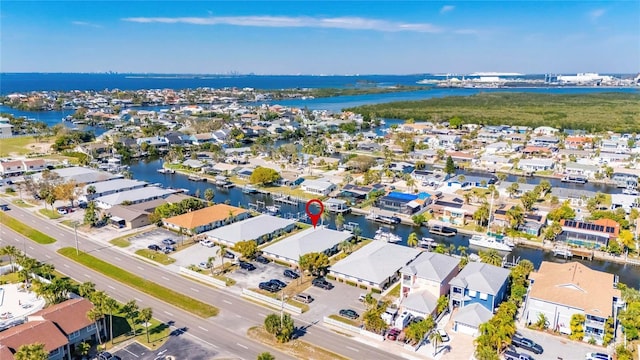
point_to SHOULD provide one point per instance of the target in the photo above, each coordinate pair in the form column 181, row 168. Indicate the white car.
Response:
column 598, row 356
column 207, row 243
column 204, row 265
column 443, row 335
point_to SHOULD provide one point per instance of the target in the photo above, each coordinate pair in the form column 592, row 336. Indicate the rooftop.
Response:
column 249, row 229
column 431, row 266
column 70, row 315
column 573, row 284
column 208, row 215
column 135, row 195
column 45, row 331
column 481, row 277
column 115, row 184
column 310, row 240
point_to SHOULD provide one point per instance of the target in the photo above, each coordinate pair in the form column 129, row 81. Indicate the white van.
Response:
column 389, row 314
column 403, row 320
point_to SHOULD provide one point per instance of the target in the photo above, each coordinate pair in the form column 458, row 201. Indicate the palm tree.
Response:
column 146, row 315
column 346, row 247
column 11, row 251
column 210, row 261
column 412, row 241
column 339, row 221
column 91, row 190
column 110, row 305
column 490, row 257
column 513, row 189
column 435, row 337
column 83, row 349
column 542, row 322
column 324, row 216
column 130, row 310
column 95, row 314
column 266, row 356
column 230, row 217
column 46, row 270
column 411, row 183
column 28, row 265
column 222, row 250
column 86, row 289
column 515, row 216
column 208, row 195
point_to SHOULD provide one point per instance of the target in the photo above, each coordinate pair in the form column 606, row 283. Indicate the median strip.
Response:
column 26, row 231
column 172, row 297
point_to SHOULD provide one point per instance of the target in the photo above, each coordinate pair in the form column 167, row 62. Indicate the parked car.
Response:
column 168, row 249
column 512, row 355
column 154, row 247
column 527, row 344
column 204, row 265
column 349, row 314
column 322, row 283
column 291, row 274
column 62, row 211
column 247, row 266
column 229, row 255
column 207, row 243
column 597, row 356
column 362, row 297
column 168, row 242
column 4, row 207
column 262, row 260
column 268, row 286
column 107, row 356
column 393, row 334
column 303, row 298
column 81, row 204
column 280, row 284
column 443, row 334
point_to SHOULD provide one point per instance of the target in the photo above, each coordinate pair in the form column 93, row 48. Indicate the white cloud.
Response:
column 446, row 9
column 84, row 23
column 347, row 23
column 596, row 14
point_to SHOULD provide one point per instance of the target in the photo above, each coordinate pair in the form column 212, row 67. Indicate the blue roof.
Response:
column 423, row 196
column 402, row 196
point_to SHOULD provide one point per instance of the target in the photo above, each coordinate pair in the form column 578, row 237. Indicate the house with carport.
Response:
column 318, row 239
column 262, row 228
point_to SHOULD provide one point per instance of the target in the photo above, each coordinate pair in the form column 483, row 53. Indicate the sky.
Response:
column 313, row 37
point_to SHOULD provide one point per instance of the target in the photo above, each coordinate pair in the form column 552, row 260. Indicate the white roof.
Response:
column 432, row 266
column 116, row 184
column 136, row 195
column 473, row 315
column 317, row 184
column 376, row 261
column 249, row 229
column 310, row 240
column 81, row 175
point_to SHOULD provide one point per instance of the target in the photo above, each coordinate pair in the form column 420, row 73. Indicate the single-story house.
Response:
column 81, row 175
column 536, row 164
column 592, row 234
column 128, row 217
column 261, row 228
column 319, row 187
column 376, row 265
column 558, row 291
column 360, row 192
column 132, row 196
column 113, row 186
column 206, row 219
column 318, row 239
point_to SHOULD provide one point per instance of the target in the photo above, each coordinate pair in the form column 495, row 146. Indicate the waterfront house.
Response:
column 318, row 187
column 159, row 142
column 81, row 175
column 113, row 186
column 578, row 142
column 5, row 130
column 133, row 196
column 450, row 208
column 590, row 234
column 209, row 218
column 479, row 283
column 262, row 228
column 318, row 239
column 574, row 168
column 402, row 202
column 336, row 205
column 534, row 165
column 374, row 266
column 495, row 161
column 624, row 201
column 428, row 177
column 425, row 280
column 608, row 158
column 357, row 192
column 468, row 319
column 221, row 135
column 59, row 327
column 625, row 180
column 558, row 291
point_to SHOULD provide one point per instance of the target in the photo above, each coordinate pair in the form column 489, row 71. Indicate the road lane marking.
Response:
column 48, row 257
column 117, row 258
column 111, row 287
column 227, row 302
column 168, row 313
column 65, row 265
column 87, row 275
column 138, row 300
column 125, row 349
column 354, row 349
column 262, row 315
column 201, row 328
column 166, row 278
column 242, row 346
column 196, row 290
column 18, row 240
column 46, row 227
column 139, row 268
column 31, row 247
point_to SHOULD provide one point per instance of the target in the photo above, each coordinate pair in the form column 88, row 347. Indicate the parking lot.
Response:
column 141, row 241
column 328, row 302
column 556, row 347
column 263, row 272
column 196, row 253
column 177, row 346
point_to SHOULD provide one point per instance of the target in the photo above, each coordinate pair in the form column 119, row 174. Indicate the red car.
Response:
column 393, row 334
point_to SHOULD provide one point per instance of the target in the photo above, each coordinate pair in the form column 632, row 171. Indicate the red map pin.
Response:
column 314, row 217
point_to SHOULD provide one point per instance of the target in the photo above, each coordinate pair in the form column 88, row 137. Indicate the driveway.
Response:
column 328, row 302
column 556, row 347
column 141, row 241
column 263, row 272
column 196, row 254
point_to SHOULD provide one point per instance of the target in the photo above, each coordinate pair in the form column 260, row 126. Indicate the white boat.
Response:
column 490, row 242
column 384, row 235
column 630, row 191
column 426, row 242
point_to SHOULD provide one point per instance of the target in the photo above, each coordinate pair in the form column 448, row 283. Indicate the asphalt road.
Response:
column 225, row 332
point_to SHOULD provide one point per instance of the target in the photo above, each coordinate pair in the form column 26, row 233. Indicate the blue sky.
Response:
column 310, row 37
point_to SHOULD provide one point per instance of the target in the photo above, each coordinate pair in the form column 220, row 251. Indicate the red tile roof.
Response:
column 44, row 332
column 70, row 315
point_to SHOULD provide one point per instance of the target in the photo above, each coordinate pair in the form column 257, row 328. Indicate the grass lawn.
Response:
column 393, row 294
column 292, row 192
column 296, row 348
column 51, row 214
column 123, row 241
column 172, row 297
column 158, row 257
column 288, row 293
column 22, row 203
column 10, row 278
column 122, row 331
column 25, row 230
column 17, row 145
column 344, row 320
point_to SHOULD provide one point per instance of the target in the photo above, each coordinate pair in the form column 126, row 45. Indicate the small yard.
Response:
column 10, row 278
column 22, row 203
column 122, row 331
column 156, row 256
column 51, row 214
column 296, row 348
column 342, row 319
column 288, row 294
column 16, row 145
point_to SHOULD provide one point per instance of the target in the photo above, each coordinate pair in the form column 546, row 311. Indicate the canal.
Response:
column 146, row 170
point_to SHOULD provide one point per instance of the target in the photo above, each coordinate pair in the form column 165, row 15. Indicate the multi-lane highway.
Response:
column 226, row 332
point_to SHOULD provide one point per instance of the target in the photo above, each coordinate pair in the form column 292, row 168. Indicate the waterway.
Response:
column 146, row 170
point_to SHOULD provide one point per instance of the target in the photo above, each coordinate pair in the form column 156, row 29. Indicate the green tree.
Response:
column 417, row 330
column 109, row 306
column 339, row 221
column 95, row 314
column 314, row 262
column 552, row 231
column 208, row 195
column 90, row 214
column 246, row 248
column 146, row 315
column 32, row 352
column 86, row 289
column 412, row 241
column 626, row 239
column 513, row 189
column 282, row 327
column 418, row 219
column 542, row 322
column 443, row 304
column 266, row 356
column 131, row 312
column 11, row 251
column 577, row 327
column 436, row 338
column 222, row 249
column 450, row 166
column 490, row 257
column 515, row 215
column 565, row 211
column 481, row 215
column 83, row 349
column 529, row 199
column 264, row 176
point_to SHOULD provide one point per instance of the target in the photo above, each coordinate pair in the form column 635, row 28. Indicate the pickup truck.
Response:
column 527, row 344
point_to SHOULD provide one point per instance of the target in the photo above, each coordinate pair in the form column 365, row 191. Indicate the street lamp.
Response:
column 75, row 230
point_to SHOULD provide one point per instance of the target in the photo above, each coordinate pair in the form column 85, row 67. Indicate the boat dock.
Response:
column 351, row 226
column 288, row 199
column 442, row 230
column 562, row 252
column 196, row 178
column 389, row 220
column 584, row 254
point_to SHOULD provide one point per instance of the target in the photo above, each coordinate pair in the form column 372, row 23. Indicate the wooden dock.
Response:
column 584, row 254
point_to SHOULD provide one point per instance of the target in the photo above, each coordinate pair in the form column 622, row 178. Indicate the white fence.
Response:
column 355, row 329
column 204, row 278
column 271, row 301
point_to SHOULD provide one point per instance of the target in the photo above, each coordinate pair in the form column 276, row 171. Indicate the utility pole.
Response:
column 75, row 230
